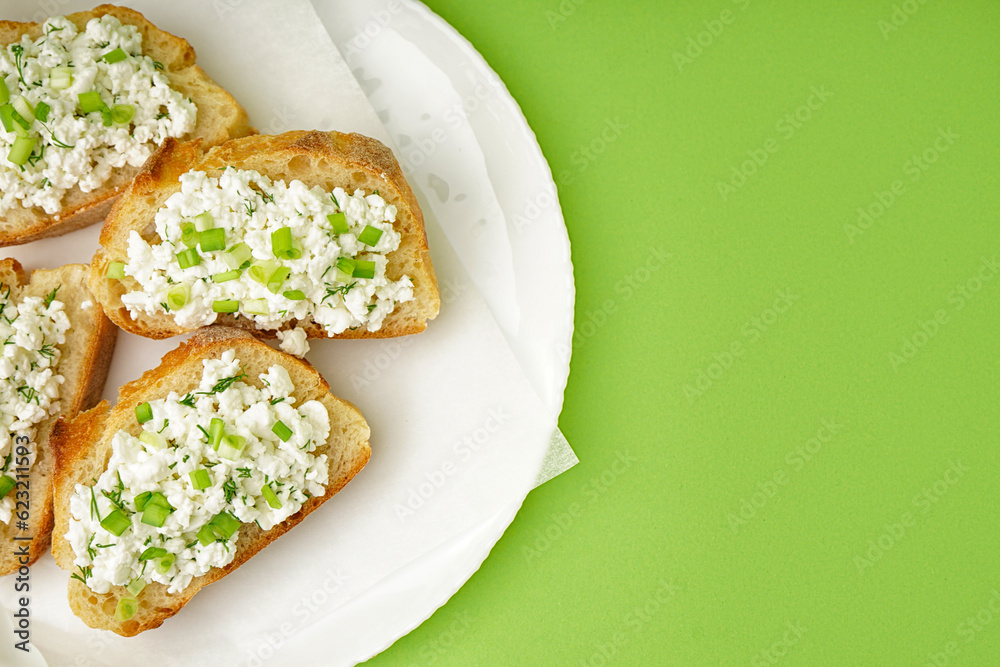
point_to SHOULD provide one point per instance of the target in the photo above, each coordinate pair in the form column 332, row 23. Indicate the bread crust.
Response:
column 84, row 362
column 220, row 118
column 326, row 159
column 82, row 448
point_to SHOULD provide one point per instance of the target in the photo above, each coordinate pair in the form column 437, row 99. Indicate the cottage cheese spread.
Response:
column 73, row 147
column 251, row 208
column 31, row 332
column 266, row 482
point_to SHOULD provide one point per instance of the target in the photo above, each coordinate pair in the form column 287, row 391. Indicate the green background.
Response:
column 713, row 518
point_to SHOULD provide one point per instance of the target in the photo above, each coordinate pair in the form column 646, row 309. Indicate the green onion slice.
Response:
column 278, row 277
column 126, row 609
column 226, row 524
column 4, row 92
column 154, row 515
column 24, row 109
column 364, row 269
column 115, row 523
column 143, row 412
column 294, row 294
column 42, row 111
column 339, row 223
column 116, row 56
column 188, row 258
column 153, row 439
column 164, row 564
column 116, row 270
column 255, row 307
column 231, row 447
column 152, row 552
column 261, row 271
column 200, row 479
column 7, row 117
column 237, row 256
column 61, row 78
column 226, row 306
column 270, row 496
column 142, row 499
column 370, row 235
column 204, row 221
column 136, row 586
column 346, row 265
column 215, row 431
column 122, row 113
column 225, row 276
column 90, row 101
column 281, row 242
column 177, row 296
column 21, row 150
column 189, row 235
column 282, row 431
column 7, row 485
column 212, row 239
column 206, row 534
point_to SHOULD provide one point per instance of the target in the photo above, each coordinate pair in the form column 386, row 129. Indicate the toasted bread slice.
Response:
column 324, row 159
column 84, row 360
column 219, row 119
column 83, row 448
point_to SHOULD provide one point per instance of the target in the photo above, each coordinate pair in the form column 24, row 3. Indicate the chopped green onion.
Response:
column 339, row 222
column 261, row 271
column 225, row 276
column 256, row 307
column 165, row 563
column 189, row 235
column 370, row 235
column 215, row 430
column 154, row 515
column 136, row 586
column 231, row 447
column 177, row 297
column 142, row 500
column 90, row 101
column 24, row 109
column 204, row 221
column 152, row 553
column 296, row 251
column 143, row 412
column 364, row 269
column 153, row 439
column 212, row 239
column 282, row 431
column 115, row 523
column 126, row 609
column 116, row 56
column 7, row 485
column 106, row 116
column 281, row 242
column 200, row 479
column 226, row 306
column 42, row 111
column 270, row 497
column 237, row 256
column 278, row 277
column 188, row 258
column 21, row 150
column 61, row 78
column 346, row 265
column 4, row 92
column 122, row 113
column 7, row 117
column 116, row 270
column 206, row 534
column 226, row 524
column 294, row 294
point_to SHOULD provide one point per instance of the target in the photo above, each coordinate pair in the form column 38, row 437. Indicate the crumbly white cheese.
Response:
column 291, row 469
column 75, row 148
column 250, row 207
column 293, row 341
column 31, row 332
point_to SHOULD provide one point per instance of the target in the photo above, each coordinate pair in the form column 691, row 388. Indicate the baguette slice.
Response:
column 326, row 159
column 220, row 118
column 84, row 361
column 82, row 449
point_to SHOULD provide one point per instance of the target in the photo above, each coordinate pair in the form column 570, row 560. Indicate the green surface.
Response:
column 788, row 430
